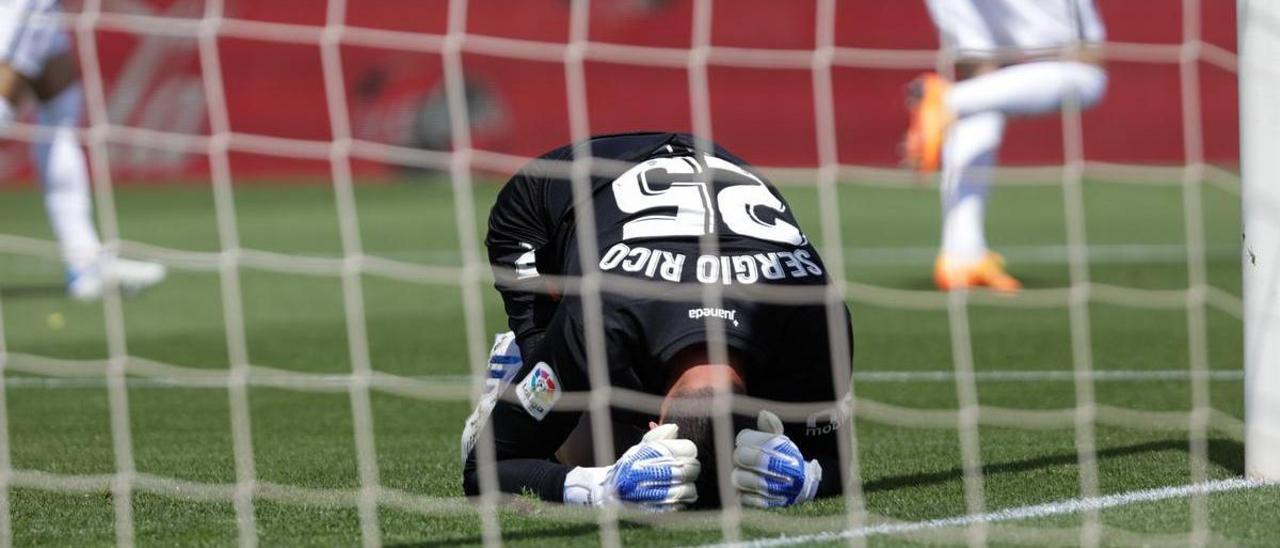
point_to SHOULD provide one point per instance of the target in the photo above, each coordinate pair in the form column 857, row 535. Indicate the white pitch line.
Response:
column 1010, row 514
column 1060, row 375
column 219, row 381
column 908, row 376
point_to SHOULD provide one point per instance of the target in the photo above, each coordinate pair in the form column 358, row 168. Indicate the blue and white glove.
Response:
column 655, row 474
column 768, row 469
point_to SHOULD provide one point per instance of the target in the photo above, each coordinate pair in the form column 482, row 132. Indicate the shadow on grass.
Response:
column 32, row 291
column 546, row 536
column 1229, row 454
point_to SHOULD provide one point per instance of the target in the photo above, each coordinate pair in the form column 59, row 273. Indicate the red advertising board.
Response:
column 521, row 106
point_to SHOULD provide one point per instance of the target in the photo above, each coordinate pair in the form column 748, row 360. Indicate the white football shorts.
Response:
column 980, row 28
column 28, row 35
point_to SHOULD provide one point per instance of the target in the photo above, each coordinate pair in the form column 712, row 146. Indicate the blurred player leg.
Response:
column 36, row 58
column 975, row 32
column 969, row 161
column 1029, row 89
column 978, row 107
column 64, row 178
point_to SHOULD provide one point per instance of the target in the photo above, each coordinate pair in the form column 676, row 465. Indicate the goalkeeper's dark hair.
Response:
column 691, row 410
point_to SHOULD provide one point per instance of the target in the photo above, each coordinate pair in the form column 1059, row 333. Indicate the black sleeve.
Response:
column 519, row 226
column 825, row 448
column 525, row 451
column 818, row 436
column 525, row 446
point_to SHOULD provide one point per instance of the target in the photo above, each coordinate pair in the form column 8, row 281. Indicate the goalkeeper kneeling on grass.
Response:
column 655, row 197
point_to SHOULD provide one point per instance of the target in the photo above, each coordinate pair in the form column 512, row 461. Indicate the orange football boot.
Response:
column 989, row 273
column 930, row 118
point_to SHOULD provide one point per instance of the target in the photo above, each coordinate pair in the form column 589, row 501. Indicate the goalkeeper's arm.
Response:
column 520, row 237
column 524, row 451
column 658, row 473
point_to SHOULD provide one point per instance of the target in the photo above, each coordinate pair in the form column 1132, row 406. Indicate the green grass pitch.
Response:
column 296, row 322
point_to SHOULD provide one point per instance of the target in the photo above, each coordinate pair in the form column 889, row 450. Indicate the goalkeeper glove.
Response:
column 768, row 469
column 656, row 474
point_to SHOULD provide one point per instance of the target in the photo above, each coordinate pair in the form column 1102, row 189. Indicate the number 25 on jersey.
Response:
column 641, row 188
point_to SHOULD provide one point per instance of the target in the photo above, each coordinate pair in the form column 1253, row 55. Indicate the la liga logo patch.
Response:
column 539, row 391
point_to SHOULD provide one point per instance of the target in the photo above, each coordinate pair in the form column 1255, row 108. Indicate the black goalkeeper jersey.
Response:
column 649, row 220
column 662, row 194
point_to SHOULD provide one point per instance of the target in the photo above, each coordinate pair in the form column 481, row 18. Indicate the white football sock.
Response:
column 7, row 113
column 968, row 160
column 64, row 176
column 1029, row 88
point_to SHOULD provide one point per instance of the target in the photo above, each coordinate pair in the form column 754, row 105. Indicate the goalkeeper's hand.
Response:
column 768, row 469
column 655, row 474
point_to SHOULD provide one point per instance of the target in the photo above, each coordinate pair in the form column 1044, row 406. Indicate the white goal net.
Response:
column 1082, row 276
